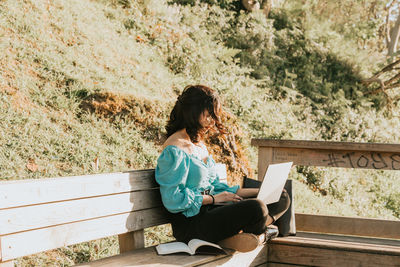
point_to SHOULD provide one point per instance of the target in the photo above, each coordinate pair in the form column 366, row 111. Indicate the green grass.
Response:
column 96, row 79
column 343, row 192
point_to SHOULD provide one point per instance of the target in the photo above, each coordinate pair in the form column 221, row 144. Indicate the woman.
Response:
column 190, row 186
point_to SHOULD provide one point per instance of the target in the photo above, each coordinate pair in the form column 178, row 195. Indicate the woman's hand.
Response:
column 247, row 192
column 227, row 196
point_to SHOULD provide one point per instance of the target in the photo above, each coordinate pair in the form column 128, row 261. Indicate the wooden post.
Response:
column 265, row 157
column 9, row 263
column 130, row 241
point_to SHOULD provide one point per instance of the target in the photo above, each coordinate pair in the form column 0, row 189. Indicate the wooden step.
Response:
column 312, row 249
column 148, row 257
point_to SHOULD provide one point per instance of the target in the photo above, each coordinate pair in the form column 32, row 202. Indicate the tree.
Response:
column 393, row 32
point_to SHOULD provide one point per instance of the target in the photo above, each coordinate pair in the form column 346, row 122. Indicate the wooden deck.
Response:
column 338, row 241
column 312, row 249
column 333, row 240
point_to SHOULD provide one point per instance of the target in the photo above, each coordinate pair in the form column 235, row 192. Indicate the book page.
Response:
column 195, row 245
column 173, row 247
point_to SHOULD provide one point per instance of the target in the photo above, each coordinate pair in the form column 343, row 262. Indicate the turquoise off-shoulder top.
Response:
column 182, row 177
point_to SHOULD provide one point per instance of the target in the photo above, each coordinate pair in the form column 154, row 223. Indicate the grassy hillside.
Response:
column 93, row 81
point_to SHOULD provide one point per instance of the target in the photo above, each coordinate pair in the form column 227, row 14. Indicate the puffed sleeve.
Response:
column 171, row 174
column 218, row 185
column 221, row 187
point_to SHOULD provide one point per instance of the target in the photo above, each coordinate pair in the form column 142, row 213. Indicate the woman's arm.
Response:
column 207, row 200
column 228, row 196
column 247, row 192
column 221, row 197
column 171, row 174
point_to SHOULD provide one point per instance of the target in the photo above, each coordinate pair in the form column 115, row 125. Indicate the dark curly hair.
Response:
column 193, row 101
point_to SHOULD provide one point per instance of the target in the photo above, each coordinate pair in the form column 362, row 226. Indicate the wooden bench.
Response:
column 334, row 240
column 44, row 214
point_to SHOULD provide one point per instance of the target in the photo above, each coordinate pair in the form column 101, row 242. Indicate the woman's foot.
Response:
column 243, row 242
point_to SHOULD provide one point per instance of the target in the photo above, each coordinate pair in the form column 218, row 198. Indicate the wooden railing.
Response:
column 334, row 240
column 328, row 154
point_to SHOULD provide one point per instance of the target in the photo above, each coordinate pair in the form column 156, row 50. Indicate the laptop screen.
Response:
column 274, row 181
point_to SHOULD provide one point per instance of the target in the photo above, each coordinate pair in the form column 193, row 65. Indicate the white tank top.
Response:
column 200, row 151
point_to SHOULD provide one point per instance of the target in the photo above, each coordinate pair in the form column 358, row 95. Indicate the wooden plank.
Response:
column 264, row 159
column 7, row 264
column 253, row 258
column 382, row 242
column 348, row 244
column 277, row 264
column 39, row 216
column 261, row 257
column 348, row 226
column 131, row 241
column 28, row 192
column 353, row 146
column 148, row 257
column 316, row 256
column 336, row 158
column 26, row 243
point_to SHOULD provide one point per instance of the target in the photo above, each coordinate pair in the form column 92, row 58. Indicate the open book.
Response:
column 195, row 246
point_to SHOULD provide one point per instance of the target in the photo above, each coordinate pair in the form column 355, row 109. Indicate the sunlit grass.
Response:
column 348, row 192
column 59, row 57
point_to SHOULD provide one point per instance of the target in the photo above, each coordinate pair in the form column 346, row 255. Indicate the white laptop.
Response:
column 274, row 182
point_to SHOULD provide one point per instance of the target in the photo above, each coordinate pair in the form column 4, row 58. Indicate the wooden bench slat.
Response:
column 354, row 146
column 49, row 214
column 28, row 192
column 30, row 242
column 7, row 264
column 348, row 225
column 149, row 257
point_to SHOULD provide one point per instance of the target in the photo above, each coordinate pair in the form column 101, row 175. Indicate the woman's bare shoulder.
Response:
column 174, row 140
column 178, row 141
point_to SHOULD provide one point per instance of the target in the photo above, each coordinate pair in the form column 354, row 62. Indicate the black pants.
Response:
column 215, row 223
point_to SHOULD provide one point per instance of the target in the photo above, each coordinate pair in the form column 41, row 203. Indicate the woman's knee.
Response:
column 257, row 208
column 277, row 209
column 257, row 214
column 285, row 198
